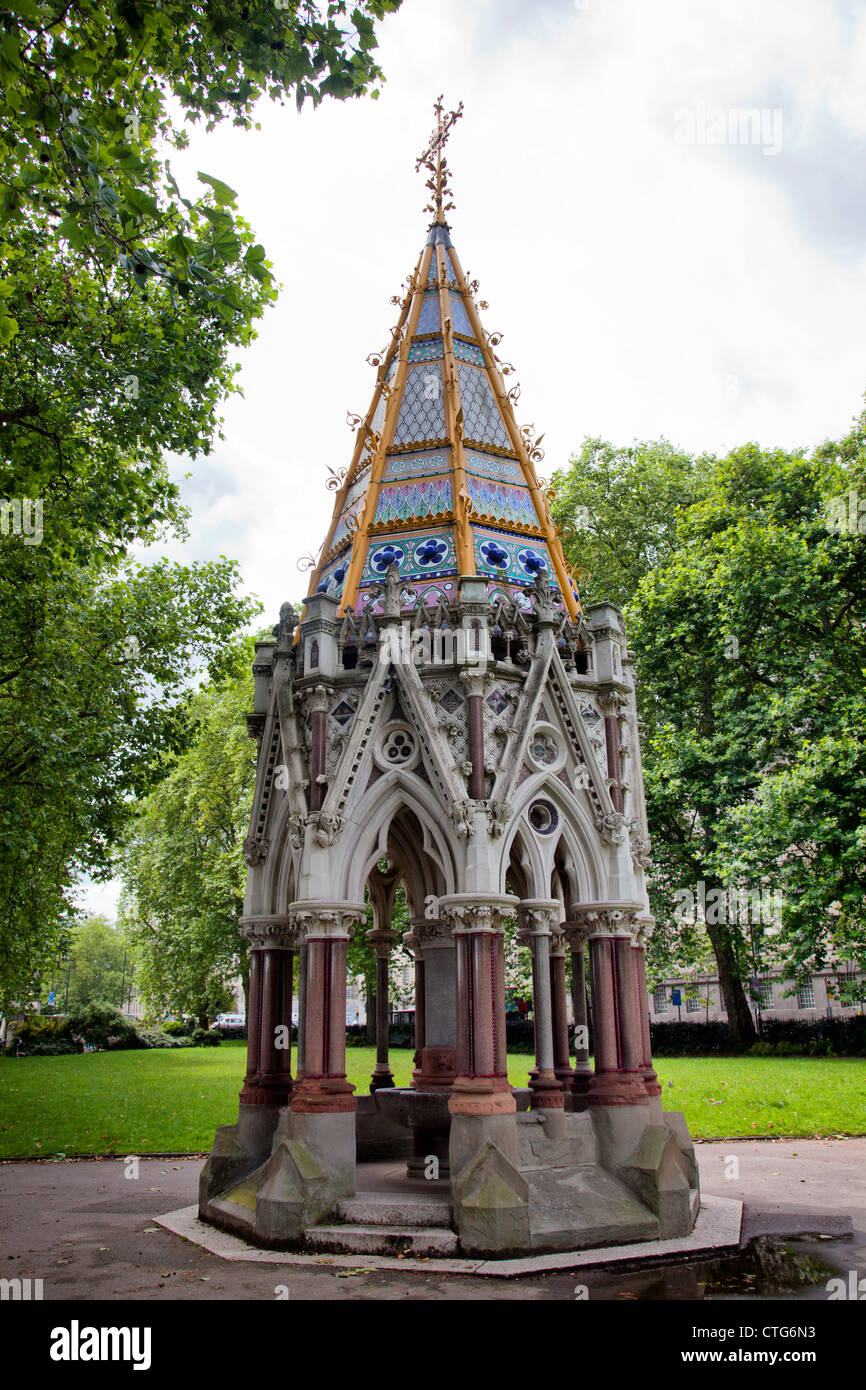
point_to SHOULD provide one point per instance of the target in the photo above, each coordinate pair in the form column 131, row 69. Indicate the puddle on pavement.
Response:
column 766, row 1268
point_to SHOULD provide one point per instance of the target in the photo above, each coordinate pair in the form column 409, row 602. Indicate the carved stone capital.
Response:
column 644, row 928
column 327, row 827
column 324, row 919
column 383, row 941
column 429, row 932
column 319, row 699
column 537, row 917
column 478, row 912
column 575, row 934
column 498, row 815
column 613, row 701
column 557, row 941
column 605, row 918
column 613, row 828
column 268, row 933
column 255, row 851
column 463, row 816
column 476, row 682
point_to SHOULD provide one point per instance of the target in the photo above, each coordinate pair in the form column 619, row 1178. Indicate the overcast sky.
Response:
column 649, row 280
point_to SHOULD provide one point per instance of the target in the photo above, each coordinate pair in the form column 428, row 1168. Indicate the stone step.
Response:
column 387, row 1209
column 382, row 1240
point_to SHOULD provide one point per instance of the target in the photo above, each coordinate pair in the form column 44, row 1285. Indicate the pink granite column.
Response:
column 650, row 1078
column 616, row 1079
column 481, row 1086
column 268, row 1079
column 326, row 928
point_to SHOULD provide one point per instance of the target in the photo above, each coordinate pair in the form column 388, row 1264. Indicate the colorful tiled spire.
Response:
column 442, row 481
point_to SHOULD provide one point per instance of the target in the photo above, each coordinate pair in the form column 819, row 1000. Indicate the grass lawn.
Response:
column 172, row 1101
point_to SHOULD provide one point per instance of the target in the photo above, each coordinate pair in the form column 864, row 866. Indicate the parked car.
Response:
column 229, row 1021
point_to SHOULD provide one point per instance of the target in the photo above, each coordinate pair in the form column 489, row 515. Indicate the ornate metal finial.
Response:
column 434, row 161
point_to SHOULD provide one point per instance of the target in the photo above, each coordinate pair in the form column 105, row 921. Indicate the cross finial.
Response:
column 434, row 161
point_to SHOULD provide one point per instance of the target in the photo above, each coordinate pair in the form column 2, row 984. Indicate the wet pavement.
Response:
column 87, row 1230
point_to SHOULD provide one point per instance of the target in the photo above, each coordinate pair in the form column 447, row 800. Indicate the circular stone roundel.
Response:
column 546, row 749
column 543, row 817
column 397, row 748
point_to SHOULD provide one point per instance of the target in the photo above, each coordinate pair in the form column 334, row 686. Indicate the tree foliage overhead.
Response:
column 123, row 300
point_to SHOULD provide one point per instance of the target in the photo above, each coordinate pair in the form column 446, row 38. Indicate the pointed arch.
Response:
column 365, row 833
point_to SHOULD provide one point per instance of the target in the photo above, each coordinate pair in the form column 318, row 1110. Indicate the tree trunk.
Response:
column 203, row 1021
column 740, row 1020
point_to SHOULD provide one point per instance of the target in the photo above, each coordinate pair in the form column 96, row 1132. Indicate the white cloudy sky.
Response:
column 645, row 287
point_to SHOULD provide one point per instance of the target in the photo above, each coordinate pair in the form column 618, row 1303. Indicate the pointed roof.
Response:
column 442, row 480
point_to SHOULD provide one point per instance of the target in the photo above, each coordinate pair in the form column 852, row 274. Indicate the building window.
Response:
column 765, row 994
column 806, row 996
column 660, row 1000
column 693, row 1001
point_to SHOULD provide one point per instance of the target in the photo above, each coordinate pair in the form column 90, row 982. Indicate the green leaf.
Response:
column 224, row 195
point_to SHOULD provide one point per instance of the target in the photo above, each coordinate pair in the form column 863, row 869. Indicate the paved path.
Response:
column 87, row 1231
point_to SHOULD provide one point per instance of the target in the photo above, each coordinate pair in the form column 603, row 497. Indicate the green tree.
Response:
column 182, row 862
column 746, row 621
column 93, row 694
column 122, row 300
column 98, row 953
column 619, row 508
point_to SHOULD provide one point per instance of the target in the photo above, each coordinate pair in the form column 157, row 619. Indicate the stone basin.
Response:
column 415, row 1109
column 426, row 1114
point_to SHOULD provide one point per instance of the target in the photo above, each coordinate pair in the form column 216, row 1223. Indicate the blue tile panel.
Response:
column 459, row 317
column 468, row 352
column 482, row 422
column 427, row 350
column 354, row 503
column 401, row 466
column 428, row 320
column 502, row 502
column 422, row 407
column 424, row 554
column 432, row 272
column 489, row 466
column 509, row 559
column 334, row 574
column 412, row 501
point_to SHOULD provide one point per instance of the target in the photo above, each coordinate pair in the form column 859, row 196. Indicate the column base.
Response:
column 578, row 1091
column 435, row 1069
column 547, row 1093
column 651, row 1082
column 482, row 1095
column 616, row 1088
column 381, row 1080
column 323, row 1095
column 265, row 1088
